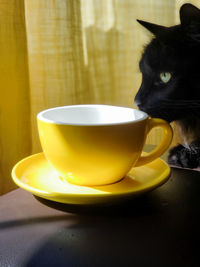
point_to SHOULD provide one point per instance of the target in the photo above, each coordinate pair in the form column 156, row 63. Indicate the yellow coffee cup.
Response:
column 97, row 144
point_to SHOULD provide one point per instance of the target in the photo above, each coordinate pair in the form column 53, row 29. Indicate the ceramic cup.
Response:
column 97, row 144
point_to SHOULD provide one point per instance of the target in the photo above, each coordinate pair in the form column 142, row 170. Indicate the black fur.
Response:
column 175, row 50
column 186, row 157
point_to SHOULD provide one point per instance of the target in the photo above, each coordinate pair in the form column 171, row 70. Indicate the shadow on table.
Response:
column 32, row 221
column 102, row 235
column 142, row 205
column 145, row 204
column 160, row 228
column 137, row 232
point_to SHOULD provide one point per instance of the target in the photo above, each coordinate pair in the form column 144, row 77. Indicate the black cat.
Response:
column 170, row 88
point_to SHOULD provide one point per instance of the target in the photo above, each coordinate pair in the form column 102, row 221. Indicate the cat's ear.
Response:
column 189, row 14
column 160, row 32
column 190, row 22
column 157, row 30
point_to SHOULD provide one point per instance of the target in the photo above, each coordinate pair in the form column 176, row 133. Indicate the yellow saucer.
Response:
column 36, row 175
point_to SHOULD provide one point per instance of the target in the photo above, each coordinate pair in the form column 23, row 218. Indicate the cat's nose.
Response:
column 137, row 102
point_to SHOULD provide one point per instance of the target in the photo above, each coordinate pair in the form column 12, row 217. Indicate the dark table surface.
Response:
column 160, row 228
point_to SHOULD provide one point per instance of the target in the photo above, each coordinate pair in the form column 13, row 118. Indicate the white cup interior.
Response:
column 91, row 115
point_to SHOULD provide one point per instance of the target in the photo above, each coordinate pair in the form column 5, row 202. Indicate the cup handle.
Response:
column 162, row 147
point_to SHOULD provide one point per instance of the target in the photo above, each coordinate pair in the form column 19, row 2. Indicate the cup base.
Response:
column 68, row 181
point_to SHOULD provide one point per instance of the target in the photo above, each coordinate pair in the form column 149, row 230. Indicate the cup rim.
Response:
column 40, row 116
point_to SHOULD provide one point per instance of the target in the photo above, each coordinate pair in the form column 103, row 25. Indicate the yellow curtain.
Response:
column 63, row 52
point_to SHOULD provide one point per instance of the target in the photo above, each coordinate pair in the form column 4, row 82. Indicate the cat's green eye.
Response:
column 165, row 77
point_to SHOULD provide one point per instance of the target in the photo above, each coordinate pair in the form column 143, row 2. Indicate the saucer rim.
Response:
column 149, row 186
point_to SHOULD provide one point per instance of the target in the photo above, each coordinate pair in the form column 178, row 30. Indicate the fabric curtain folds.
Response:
column 65, row 52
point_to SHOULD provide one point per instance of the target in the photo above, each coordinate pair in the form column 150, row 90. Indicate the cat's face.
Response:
column 170, row 67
